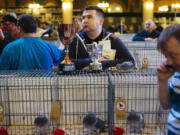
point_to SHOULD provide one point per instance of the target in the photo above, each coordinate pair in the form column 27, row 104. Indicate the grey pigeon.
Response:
column 135, row 121
column 42, row 124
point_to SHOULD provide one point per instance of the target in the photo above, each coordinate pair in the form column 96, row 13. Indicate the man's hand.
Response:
column 150, row 39
column 100, row 60
column 164, row 72
column 85, row 68
column 1, row 35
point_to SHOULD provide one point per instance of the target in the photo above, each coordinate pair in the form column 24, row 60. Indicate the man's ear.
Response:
column 20, row 30
column 101, row 21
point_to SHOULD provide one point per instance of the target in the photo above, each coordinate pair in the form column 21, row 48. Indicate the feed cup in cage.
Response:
column 118, row 131
column 59, row 132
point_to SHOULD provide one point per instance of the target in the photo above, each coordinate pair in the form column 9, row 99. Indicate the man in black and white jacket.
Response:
column 93, row 19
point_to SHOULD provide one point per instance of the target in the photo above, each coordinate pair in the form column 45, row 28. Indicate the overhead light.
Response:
column 103, row 5
column 149, row 5
column 175, row 6
column 66, row 5
column 117, row 8
column 163, row 8
column 34, row 6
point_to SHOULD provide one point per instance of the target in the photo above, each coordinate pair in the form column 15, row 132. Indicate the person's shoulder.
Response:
column 155, row 31
column 111, row 35
column 10, row 47
column 81, row 33
column 14, row 43
column 142, row 31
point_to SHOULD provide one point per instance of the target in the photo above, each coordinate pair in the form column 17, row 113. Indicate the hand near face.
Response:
column 150, row 39
column 164, row 71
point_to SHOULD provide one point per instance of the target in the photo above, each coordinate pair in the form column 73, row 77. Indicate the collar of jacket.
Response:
column 87, row 40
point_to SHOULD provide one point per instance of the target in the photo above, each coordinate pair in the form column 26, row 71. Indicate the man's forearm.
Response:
column 164, row 94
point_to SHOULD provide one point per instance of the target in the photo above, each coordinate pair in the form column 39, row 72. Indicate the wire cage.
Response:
column 137, row 92
column 27, row 94
column 66, row 100
column 145, row 53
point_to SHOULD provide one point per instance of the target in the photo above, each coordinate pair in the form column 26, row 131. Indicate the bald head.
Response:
column 149, row 25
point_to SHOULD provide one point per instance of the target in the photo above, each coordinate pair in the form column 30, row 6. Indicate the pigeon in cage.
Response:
column 93, row 124
column 126, row 65
column 42, row 124
column 135, row 121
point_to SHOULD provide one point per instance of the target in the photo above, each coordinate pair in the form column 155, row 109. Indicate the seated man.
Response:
column 93, row 18
column 148, row 34
column 49, row 31
column 29, row 52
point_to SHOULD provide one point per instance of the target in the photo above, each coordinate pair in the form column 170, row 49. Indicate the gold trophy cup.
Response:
column 66, row 34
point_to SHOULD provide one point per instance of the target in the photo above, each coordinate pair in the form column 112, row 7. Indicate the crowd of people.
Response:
column 21, row 48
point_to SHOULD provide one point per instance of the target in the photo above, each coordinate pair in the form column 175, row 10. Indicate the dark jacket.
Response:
column 83, row 59
column 7, row 39
column 140, row 35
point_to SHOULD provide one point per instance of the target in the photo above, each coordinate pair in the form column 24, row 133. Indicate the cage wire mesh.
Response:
column 137, row 91
column 145, row 52
column 26, row 95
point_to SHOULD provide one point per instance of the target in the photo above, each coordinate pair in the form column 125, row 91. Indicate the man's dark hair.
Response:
column 99, row 11
column 9, row 18
column 27, row 23
column 171, row 31
column 38, row 22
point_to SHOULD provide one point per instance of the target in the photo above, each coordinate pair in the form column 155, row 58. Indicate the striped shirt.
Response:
column 174, row 115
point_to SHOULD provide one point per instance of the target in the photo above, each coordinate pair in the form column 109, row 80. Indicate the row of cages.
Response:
column 145, row 54
column 106, row 103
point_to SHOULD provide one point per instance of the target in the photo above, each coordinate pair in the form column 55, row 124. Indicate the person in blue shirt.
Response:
column 168, row 74
column 148, row 34
column 29, row 52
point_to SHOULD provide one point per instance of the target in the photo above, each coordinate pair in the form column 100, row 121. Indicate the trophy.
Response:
column 66, row 34
column 95, row 52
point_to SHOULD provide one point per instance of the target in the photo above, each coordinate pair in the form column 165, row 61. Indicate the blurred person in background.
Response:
column 11, row 31
column 159, row 27
column 29, row 52
column 78, row 24
column 49, row 31
column 148, row 34
column 39, row 31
